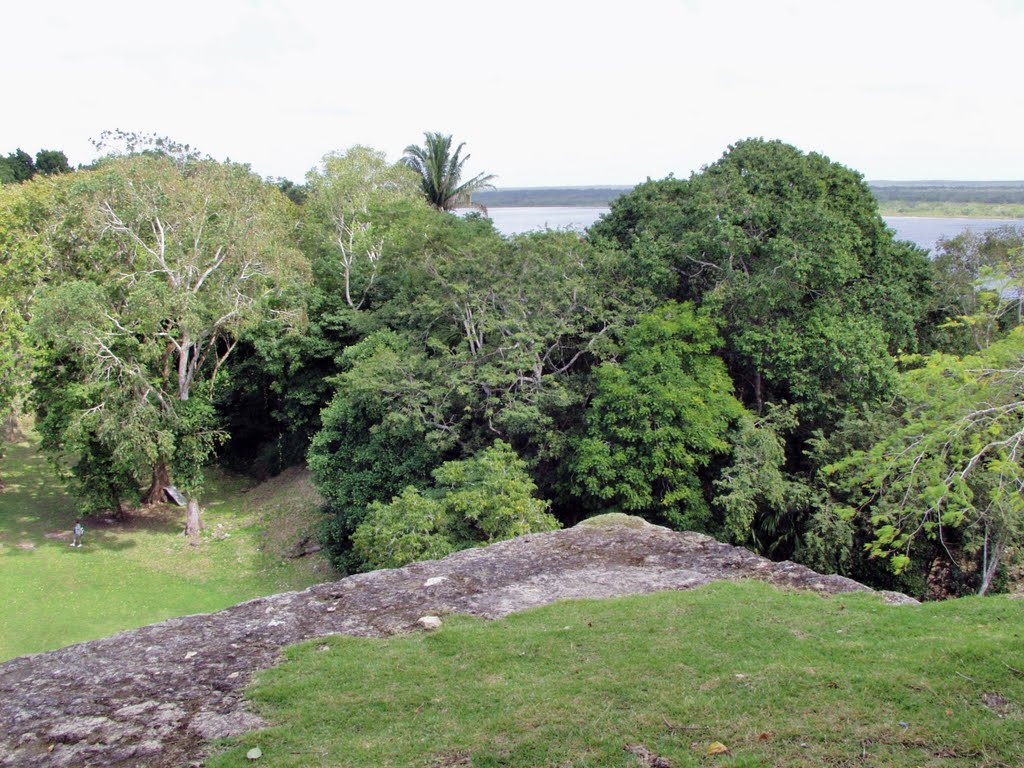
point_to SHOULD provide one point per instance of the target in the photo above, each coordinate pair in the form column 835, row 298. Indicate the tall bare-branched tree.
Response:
column 183, row 255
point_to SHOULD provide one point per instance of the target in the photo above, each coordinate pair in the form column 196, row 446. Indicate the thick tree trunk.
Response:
column 192, row 522
column 940, row 580
column 161, row 479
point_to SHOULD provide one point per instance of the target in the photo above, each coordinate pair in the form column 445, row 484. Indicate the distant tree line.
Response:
column 19, row 166
column 747, row 352
column 950, row 194
column 1005, row 193
column 550, row 196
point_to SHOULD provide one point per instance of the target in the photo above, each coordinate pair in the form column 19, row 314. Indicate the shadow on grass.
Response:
column 36, row 511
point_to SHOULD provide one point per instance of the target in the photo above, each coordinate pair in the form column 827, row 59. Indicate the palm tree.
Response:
column 441, row 172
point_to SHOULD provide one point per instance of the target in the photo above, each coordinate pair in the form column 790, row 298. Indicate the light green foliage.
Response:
column 755, row 480
column 22, row 256
column 490, row 497
column 412, row 527
column 486, row 498
column 657, row 419
column 27, row 262
column 978, row 298
column 29, row 259
column 951, row 469
column 175, row 259
column 845, row 680
column 440, row 171
column 352, row 199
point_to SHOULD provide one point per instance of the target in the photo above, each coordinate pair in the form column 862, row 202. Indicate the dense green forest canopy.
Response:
column 748, row 352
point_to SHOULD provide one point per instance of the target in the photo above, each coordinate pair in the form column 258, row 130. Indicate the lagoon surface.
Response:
column 923, row 230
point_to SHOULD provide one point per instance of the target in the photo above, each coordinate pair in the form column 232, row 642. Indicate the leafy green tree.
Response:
column 183, row 256
column 51, row 161
column 486, row 498
column 754, row 489
column 347, row 211
column 441, row 172
column 951, row 470
column 386, row 427
column 487, row 339
column 363, row 221
column 27, row 263
column 520, row 324
column 789, row 249
column 813, row 293
column 978, row 289
column 20, row 166
column 297, row 193
column 658, row 418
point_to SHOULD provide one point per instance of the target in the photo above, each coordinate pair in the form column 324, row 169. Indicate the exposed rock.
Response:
column 429, row 622
column 153, row 696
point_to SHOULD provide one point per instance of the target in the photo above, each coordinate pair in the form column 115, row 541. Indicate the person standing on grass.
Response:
column 78, row 531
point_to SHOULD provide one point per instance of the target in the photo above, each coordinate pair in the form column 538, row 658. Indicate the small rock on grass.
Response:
column 429, row 622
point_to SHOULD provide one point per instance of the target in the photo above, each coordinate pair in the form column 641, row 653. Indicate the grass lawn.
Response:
column 140, row 571
column 781, row 679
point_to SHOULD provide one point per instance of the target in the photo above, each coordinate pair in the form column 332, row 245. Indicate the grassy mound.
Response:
column 142, row 570
column 779, row 678
column 615, row 519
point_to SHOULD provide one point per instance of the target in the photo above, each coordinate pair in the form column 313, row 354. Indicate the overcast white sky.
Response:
column 547, row 92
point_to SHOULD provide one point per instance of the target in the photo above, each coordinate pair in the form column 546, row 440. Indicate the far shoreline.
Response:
column 943, row 215
column 882, row 211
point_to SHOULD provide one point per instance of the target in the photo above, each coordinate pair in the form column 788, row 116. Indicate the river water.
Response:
column 922, row 230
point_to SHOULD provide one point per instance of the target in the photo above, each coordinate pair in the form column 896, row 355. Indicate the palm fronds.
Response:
column 441, row 172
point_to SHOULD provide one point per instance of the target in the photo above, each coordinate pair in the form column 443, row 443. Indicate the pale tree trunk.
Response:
column 991, row 557
column 7, row 434
column 161, row 479
column 192, row 523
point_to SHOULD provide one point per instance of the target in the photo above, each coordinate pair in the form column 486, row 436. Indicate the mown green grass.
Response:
column 781, row 678
column 137, row 572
